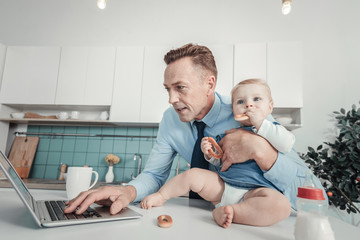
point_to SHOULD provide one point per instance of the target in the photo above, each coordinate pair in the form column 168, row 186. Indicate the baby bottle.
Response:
column 312, row 221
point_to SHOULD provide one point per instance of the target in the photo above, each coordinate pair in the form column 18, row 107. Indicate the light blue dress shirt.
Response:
column 175, row 136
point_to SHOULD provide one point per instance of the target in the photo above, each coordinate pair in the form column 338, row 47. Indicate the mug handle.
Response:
column 96, row 179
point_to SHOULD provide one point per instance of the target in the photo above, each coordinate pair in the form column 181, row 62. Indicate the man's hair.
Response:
column 201, row 56
column 253, row 81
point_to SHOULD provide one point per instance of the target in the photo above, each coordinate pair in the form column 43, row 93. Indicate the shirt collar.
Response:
column 212, row 115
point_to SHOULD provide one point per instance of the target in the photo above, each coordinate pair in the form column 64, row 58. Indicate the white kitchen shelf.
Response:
column 72, row 122
column 55, row 121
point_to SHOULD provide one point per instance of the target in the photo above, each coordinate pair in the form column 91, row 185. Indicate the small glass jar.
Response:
column 312, row 222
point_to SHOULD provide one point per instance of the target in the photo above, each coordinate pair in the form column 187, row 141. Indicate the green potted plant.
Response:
column 338, row 164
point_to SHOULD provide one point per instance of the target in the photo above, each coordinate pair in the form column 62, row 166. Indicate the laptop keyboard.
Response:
column 55, row 209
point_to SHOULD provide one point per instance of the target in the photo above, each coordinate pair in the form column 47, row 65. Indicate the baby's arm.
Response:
column 205, row 147
column 278, row 136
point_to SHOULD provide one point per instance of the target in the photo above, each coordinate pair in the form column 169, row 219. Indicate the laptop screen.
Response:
column 15, row 180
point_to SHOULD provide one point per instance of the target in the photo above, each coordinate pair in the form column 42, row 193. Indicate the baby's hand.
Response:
column 256, row 117
column 205, row 147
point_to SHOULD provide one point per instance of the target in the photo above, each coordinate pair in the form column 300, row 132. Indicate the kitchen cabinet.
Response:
column 284, row 73
column 224, row 57
column 72, row 75
column 278, row 63
column 2, row 60
column 86, row 76
column 126, row 99
column 154, row 97
column 30, row 75
column 249, row 61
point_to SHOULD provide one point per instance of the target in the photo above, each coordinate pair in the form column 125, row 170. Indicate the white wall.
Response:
column 328, row 29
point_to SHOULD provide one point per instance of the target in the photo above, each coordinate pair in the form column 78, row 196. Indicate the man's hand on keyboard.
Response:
column 115, row 197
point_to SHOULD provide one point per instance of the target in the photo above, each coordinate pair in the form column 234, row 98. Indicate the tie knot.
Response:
column 200, row 128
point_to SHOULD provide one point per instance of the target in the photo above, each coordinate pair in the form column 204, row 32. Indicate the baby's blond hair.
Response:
column 252, row 81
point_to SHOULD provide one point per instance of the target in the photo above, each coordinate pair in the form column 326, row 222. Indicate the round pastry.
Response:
column 164, row 221
column 241, row 117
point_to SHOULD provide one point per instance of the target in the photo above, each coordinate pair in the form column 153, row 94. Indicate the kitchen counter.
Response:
column 48, row 184
column 35, row 183
column 192, row 219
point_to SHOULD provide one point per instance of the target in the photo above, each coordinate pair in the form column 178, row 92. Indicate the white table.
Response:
column 192, row 220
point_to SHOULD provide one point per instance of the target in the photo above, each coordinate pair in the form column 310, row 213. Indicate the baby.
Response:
column 252, row 104
column 257, row 202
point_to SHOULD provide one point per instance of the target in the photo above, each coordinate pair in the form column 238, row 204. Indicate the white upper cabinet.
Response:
column 100, row 76
column 72, row 75
column 2, row 61
column 30, row 75
column 224, row 57
column 249, row 61
column 278, row 63
column 127, row 85
column 284, row 74
column 86, row 76
column 154, row 97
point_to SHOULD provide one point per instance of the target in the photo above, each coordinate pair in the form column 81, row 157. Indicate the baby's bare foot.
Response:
column 153, row 200
column 223, row 215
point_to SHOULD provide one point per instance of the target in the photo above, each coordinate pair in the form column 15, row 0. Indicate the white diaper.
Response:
column 231, row 195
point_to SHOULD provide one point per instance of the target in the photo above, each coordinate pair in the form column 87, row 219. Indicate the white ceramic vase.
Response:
column 109, row 177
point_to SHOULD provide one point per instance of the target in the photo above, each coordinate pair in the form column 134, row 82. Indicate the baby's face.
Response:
column 250, row 96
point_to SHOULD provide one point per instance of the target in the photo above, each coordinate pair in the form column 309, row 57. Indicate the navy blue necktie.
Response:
column 198, row 159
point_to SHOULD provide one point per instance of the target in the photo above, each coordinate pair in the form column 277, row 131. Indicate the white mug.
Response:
column 74, row 115
column 62, row 115
column 78, row 179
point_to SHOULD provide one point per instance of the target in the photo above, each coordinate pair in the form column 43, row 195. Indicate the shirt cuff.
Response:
column 144, row 185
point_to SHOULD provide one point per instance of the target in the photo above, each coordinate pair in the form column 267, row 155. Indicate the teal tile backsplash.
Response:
column 84, row 150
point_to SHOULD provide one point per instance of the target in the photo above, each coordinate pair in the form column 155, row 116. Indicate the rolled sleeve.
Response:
column 158, row 164
column 282, row 173
column 288, row 173
column 156, row 171
column 144, row 185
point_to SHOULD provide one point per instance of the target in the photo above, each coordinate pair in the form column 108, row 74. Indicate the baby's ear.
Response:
column 271, row 106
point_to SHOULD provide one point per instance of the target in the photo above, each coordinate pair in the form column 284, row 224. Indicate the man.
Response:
column 190, row 79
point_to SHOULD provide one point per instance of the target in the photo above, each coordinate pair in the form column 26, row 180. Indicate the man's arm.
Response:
column 149, row 181
column 240, row 145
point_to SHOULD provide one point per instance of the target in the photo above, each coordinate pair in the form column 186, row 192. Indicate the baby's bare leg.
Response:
column 204, row 182
column 261, row 207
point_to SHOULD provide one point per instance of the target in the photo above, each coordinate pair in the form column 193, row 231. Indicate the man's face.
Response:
column 189, row 90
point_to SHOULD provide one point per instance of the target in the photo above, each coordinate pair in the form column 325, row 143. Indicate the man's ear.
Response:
column 211, row 81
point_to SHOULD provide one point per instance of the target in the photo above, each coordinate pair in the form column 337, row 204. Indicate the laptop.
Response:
column 50, row 213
